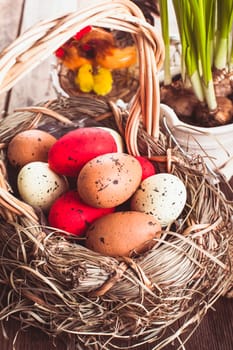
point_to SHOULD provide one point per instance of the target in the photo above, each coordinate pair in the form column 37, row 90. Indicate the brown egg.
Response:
column 29, row 146
column 109, row 180
column 120, row 233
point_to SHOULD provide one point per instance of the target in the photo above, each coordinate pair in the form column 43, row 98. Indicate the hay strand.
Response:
column 58, row 285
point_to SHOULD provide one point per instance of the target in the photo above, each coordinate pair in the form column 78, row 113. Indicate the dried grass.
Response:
column 56, row 284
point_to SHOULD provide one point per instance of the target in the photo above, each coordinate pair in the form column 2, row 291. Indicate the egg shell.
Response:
column 148, row 168
column 109, row 180
column 77, row 147
column 117, row 137
column 29, row 146
column 69, row 213
column 120, row 233
column 39, row 186
column 162, row 195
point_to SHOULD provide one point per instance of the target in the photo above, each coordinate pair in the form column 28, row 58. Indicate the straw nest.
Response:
column 58, row 285
column 53, row 282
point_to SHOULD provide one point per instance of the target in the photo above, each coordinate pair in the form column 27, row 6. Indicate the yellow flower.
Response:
column 103, row 81
column 84, row 78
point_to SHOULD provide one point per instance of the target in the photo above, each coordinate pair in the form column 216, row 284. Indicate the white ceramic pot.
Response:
column 215, row 143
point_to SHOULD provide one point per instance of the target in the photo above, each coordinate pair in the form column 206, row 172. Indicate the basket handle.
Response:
column 43, row 39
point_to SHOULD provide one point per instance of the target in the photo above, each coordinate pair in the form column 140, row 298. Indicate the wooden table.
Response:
column 216, row 330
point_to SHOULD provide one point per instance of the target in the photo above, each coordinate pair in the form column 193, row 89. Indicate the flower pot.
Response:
column 214, row 143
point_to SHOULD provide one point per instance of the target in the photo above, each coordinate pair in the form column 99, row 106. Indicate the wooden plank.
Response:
column 9, row 17
column 10, row 20
column 85, row 3
column 36, row 86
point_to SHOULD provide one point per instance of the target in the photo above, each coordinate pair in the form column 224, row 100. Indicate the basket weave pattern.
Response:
column 57, row 284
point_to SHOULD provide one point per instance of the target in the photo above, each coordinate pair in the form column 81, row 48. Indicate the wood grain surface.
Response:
column 216, row 330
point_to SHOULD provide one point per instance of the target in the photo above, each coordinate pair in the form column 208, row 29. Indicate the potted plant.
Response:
column 197, row 105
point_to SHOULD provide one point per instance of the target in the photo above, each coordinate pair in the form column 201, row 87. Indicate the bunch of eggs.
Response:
column 87, row 185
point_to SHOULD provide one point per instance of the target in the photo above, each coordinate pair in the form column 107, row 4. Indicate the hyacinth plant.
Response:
column 206, row 62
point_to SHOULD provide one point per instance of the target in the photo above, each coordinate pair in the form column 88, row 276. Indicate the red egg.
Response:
column 148, row 168
column 69, row 153
column 70, row 214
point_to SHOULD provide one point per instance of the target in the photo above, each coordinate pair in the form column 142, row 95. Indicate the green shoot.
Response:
column 166, row 39
column 196, row 23
column 223, row 33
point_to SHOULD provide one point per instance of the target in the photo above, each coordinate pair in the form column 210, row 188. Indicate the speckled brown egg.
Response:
column 29, row 146
column 109, row 180
column 121, row 233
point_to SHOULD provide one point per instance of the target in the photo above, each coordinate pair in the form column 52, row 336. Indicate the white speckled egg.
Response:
column 39, row 186
column 162, row 195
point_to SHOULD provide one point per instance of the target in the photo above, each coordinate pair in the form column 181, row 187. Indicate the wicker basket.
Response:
column 57, row 284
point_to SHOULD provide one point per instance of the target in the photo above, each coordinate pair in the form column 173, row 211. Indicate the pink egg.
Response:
column 69, row 153
column 148, row 168
column 70, row 214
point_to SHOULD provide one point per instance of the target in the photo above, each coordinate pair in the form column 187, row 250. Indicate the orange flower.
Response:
column 116, row 58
